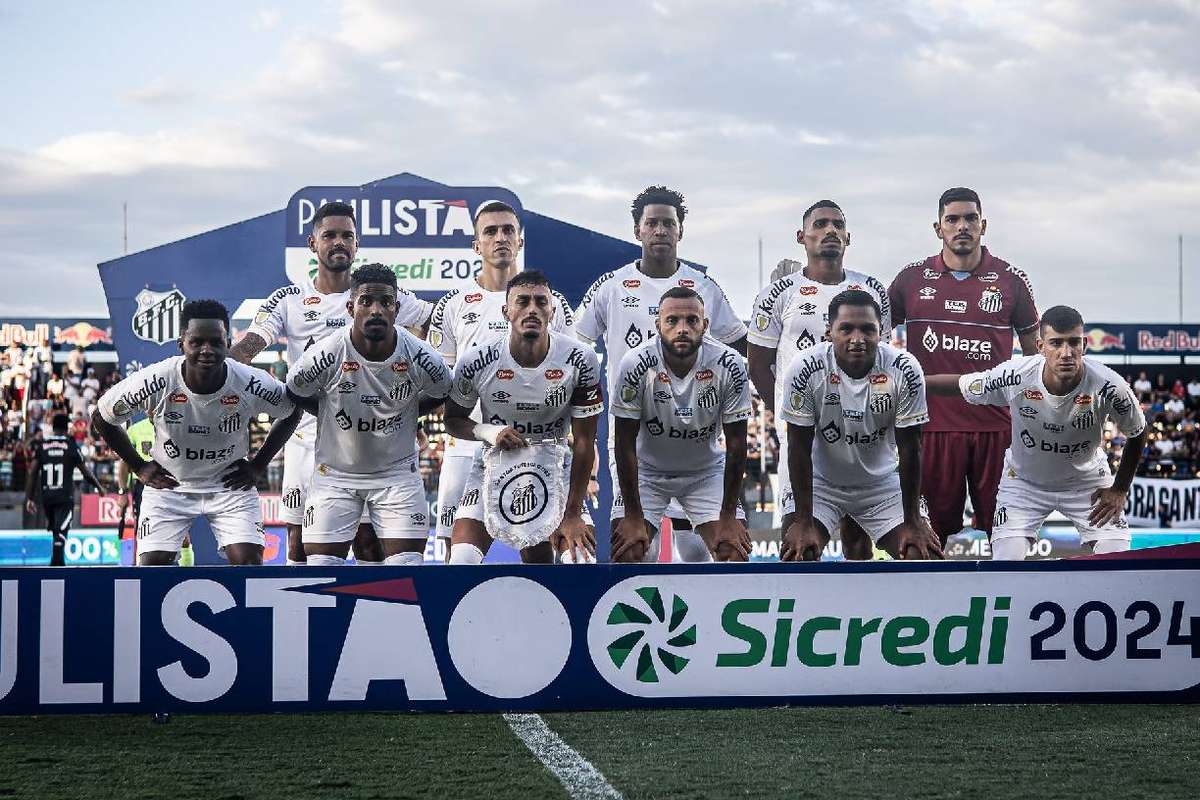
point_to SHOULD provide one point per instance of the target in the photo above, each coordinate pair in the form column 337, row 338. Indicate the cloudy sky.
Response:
column 1078, row 122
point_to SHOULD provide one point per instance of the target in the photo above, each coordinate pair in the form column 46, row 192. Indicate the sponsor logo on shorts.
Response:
column 309, row 512
column 198, row 430
column 1001, row 516
column 291, row 498
column 417, row 518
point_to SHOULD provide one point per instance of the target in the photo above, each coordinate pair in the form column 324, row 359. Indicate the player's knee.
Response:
column 1010, row 548
column 405, row 559
column 156, row 558
column 366, row 544
column 465, row 553
column 1101, row 546
column 325, row 560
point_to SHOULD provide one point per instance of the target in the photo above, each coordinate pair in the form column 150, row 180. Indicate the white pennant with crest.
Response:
column 524, row 492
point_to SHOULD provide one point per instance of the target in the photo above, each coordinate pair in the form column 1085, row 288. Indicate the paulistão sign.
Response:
column 568, row 638
column 424, row 233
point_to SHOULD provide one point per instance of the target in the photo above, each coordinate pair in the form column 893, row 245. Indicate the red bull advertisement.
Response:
column 1117, row 339
column 57, row 333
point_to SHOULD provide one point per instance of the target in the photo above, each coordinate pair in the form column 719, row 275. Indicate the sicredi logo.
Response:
column 777, row 635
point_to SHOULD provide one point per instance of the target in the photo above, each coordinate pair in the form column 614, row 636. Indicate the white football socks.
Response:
column 1110, row 546
column 405, row 560
column 465, row 553
column 325, row 561
column 1011, row 548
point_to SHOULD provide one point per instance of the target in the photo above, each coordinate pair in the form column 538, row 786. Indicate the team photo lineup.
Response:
column 879, row 445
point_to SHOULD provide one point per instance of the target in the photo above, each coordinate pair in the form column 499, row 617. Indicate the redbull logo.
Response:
column 1099, row 340
column 82, row 334
column 15, row 333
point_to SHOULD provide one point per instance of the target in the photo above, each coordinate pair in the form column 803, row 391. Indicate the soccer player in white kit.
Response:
column 622, row 305
column 676, row 395
column 305, row 313
column 530, row 384
column 854, row 409
column 1059, row 399
column 790, row 315
column 476, row 313
column 200, row 404
column 370, row 384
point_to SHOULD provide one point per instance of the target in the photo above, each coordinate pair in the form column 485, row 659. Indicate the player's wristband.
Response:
column 487, row 433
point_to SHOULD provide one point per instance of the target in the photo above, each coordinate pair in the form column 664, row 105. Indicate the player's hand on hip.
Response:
column 1107, row 505
column 630, row 540
column 241, row 475
column 509, row 439
column 802, row 541
column 156, row 476
column 731, row 540
column 575, row 538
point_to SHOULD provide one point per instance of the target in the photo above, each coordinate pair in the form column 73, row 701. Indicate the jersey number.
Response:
column 52, row 476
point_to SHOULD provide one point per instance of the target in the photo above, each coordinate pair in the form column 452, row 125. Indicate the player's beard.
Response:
column 692, row 346
column 963, row 247
column 339, row 266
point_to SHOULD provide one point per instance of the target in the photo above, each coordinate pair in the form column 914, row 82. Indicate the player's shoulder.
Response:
column 723, row 357
column 483, row 354
column 644, row 353
column 1101, row 373
column 421, row 353
column 282, row 294
column 858, row 278
column 808, row 363
column 605, row 280
column 916, row 270
column 898, row 359
column 691, row 278
column 443, row 305
column 1011, row 271
column 774, row 296
column 564, row 306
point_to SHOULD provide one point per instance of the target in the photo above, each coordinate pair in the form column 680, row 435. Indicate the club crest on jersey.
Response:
column 400, row 366
column 1085, row 419
column 157, row 316
column 350, row 366
column 473, row 297
column 1032, row 394
column 401, row 391
column 761, row 321
column 704, row 375
column 808, row 290
column 505, row 374
column 178, row 397
column 687, row 283
column 708, row 398
column 1083, row 400
column 554, row 374
column 633, row 337
column 231, row 423
column 992, row 300
column 556, row 396
column 631, row 283
column 881, row 403
column 311, row 300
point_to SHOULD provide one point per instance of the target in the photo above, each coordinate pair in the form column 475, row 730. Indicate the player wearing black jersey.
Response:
column 55, row 460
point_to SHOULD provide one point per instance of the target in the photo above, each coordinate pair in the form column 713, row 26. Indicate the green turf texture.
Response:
column 916, row 751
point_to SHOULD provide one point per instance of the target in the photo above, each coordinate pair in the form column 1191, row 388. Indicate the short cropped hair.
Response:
column 203, row 309
column 60, row 423
column 853, row 297
column 496, row 206
column 958, row 194
column 819, row 204
column 1060, row 318
column 372, row 273
column 529, row 277
column 681, row 293
column 658, row 195
column 334, row 209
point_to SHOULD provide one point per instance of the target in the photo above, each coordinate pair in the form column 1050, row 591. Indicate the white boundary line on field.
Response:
column 578, row 776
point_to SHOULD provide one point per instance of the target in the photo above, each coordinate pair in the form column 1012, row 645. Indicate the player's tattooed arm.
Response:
column 803, row 540
column 916, row 539
column 943, row 385
column 1107, row 504
column 761, row 361
column 250, row 345
column 150, row 473
column 630, row 536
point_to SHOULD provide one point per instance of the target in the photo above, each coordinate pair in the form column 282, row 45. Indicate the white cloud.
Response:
column 375, row 28
column 267, row 19
column 159, row 92
column 116, row 153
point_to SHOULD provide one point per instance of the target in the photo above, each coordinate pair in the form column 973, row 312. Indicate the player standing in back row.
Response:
column 621, row 308
column 55, row 460
column 791, row 314
column 475, row 313
column 961, row 308
column 305, row 313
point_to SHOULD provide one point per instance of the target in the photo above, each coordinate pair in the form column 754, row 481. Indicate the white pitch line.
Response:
column 577, row 775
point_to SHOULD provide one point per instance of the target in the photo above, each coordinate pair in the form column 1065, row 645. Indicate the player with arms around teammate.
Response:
column 854, row 412
column 530, row 384
column 1059, row 399
column 675, row 395
column 367, row 386
column 305, row 313
column 961, row 308
column 790, row 315
column 201, row 404
column 52, row 469
column 475, row 313
column 621, row 308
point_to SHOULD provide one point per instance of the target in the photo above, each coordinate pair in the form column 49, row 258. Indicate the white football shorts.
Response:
column 698, row 495
column 1022, row 507
column 877, row 509
column 235, row 516
column 399, row 511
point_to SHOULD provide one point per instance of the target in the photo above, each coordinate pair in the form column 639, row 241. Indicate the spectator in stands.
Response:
column 279, row 367
column 76, row 362
column 54, row 387
column 1142, row 386
column 1193, row 390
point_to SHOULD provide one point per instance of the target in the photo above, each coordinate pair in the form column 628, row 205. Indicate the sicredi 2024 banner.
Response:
column 423, row 233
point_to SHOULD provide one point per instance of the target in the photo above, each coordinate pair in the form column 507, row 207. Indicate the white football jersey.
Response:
column 681, row 417
column 537, row 402
column 304, row 316
column 465, row 316
column 792, row 314
column 367, row 422
column 621, row 308
column 196, row 436
column 854, row 419
column 1056, row 441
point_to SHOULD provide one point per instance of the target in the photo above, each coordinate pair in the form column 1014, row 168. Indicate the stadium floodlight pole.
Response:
column 1181, row 279
column 125, row 227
